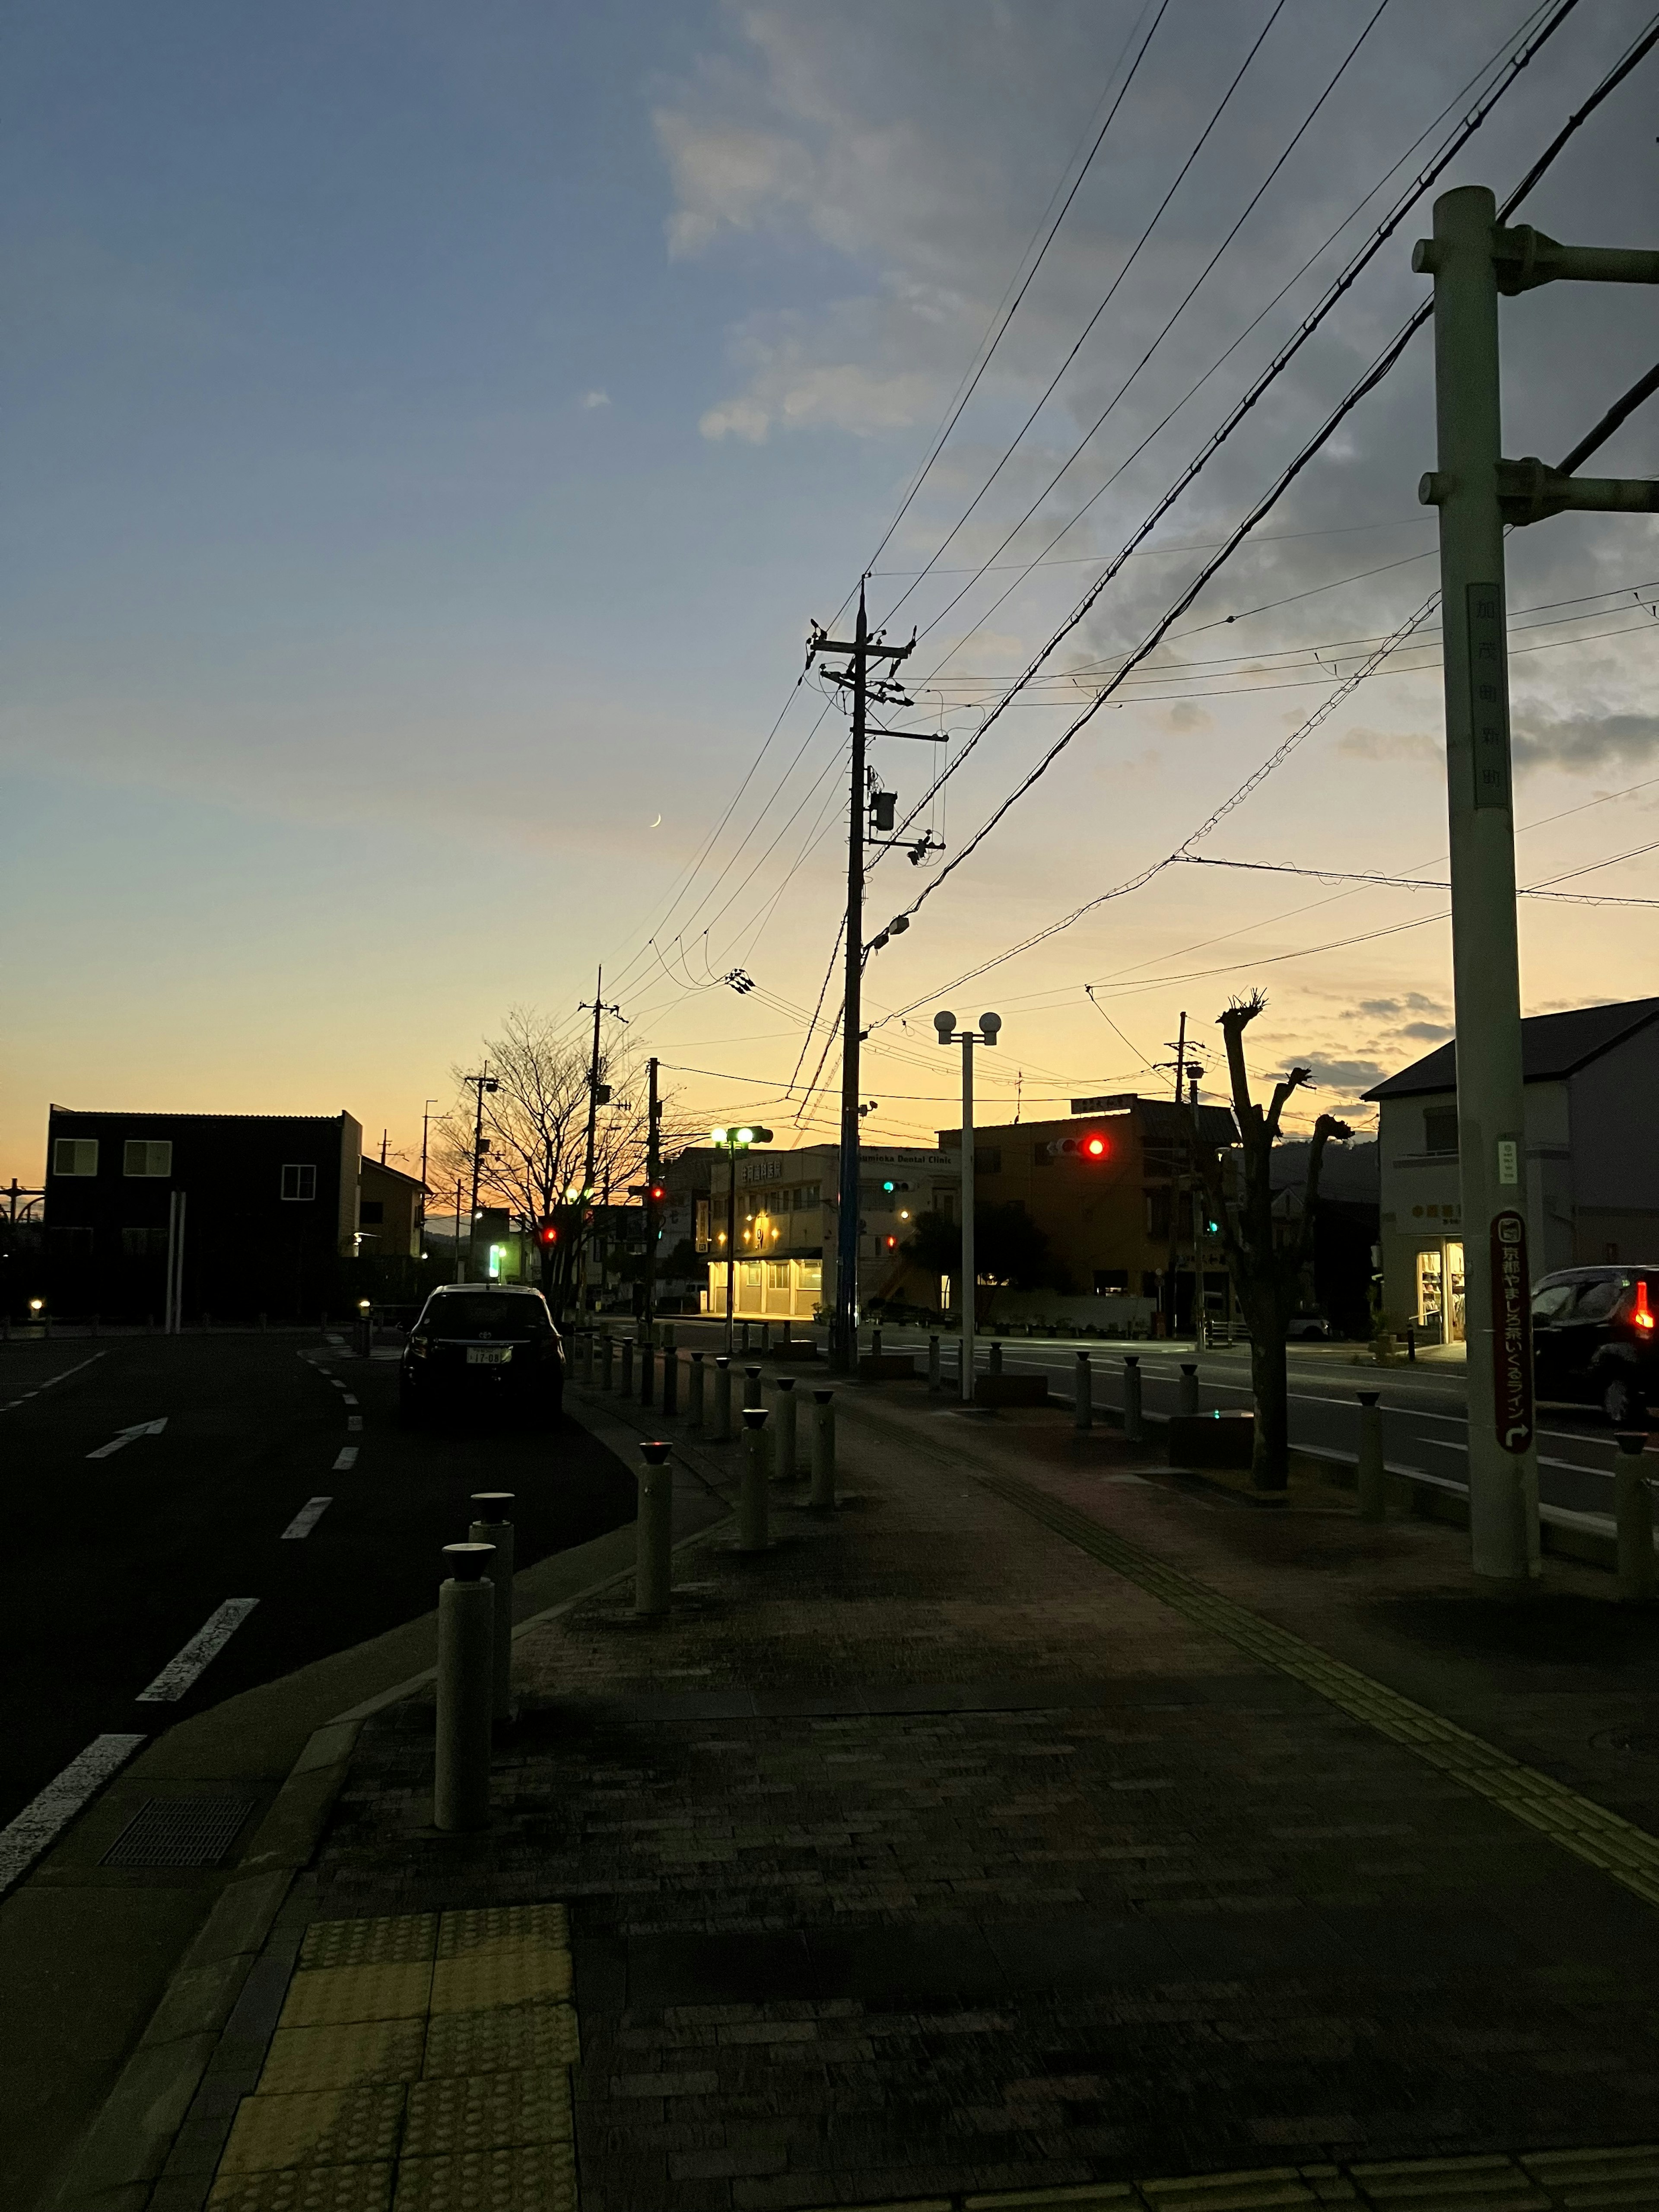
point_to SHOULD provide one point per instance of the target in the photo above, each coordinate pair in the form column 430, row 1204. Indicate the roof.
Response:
column 166, row 1114
column 1552, row 1046
column 372, row 1166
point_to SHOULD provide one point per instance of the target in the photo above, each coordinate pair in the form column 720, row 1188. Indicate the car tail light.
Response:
column 1641, row 1316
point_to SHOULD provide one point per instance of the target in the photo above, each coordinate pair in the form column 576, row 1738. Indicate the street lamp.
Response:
column 990, row 1028
column 731, row 1142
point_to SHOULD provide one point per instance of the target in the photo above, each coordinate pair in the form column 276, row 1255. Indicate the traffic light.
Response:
column 658, row 1192
column 1091, row 1147
column 889, row 1185
column 548, row 1233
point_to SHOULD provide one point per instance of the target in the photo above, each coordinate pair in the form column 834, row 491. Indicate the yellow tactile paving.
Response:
column 480, row 1980
column 1087, row 2197
column 1629, row 1854
column 546, row 1926
column 1449, row 2184
column 488, row 2112
column 544, row 2177
column 318, row 2127
column 337, row 2058
column 333, row 1997
column 511, row 2039
column 309, row 2189
column 1628, row 2175
column 1262, row 2191
column 388, row 1942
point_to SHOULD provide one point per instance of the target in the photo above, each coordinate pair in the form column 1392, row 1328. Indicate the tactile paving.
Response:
column 339, row 2057
column 1626, row 2175
column 1449, row 2184
column 1268, row 2187
column 321, row 2127
column 508, row 1975
column 512, row 2038
column 487, row 2112
column 547, row 1926
column 305, row 2189
column 396, row 1941
column 1085, row 2196
column 331, row 1996
column 1578, row 1824
column 490, row 2181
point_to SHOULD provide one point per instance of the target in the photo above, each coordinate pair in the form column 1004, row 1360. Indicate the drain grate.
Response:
column 179, row 1831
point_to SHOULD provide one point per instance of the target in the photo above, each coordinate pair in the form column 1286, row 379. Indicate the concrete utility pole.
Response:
column 598, row 1094
column 990, row 1026
column 843, row 1327
column 426, row 1129
column 482, row 1082
column 1472, row 257
column 653, row 1193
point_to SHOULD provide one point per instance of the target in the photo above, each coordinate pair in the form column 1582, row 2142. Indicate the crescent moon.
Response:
column 656, row 824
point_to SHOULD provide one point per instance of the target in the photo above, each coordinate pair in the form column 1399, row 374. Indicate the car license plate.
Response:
column 487, row 1355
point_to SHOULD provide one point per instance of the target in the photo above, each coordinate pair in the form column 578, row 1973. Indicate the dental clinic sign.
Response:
column 1511, row 1322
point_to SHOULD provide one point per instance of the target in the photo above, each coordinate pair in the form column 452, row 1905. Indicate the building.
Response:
column 1117, row 1219
column 391, row 1213
column 260, row 1208
column 786, row 1215
column 1589, row 1176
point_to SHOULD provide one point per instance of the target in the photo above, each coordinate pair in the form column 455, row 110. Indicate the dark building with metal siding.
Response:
column 269, row 1212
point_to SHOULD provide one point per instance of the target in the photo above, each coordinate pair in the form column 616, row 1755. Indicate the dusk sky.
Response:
column 431, row 429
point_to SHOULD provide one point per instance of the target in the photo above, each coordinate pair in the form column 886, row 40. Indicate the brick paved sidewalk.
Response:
column 937, row 1853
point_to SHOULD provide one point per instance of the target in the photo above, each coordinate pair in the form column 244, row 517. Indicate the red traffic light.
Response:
column 659, row 1192
column 1095, row 1147
column 548, row 1233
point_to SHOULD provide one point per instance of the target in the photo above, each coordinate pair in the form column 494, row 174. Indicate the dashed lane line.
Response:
column 1589, row 1830
column 63, row 1376
column 347, row 1460
column 306, row 1519
column 346, row 1398
column 120, row 1442
column 39, row 1824
column 353, row 1421
column 204, row 1648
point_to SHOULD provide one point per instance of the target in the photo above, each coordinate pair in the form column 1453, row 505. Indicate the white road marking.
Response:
column 353, row 1421
column 347, row 1400
column 1572, row 1466
column 39, row 1824
column 119, row 1443
column 209, row 1641
column 307, row 1518
column 63, row 1376
column 347, row 1460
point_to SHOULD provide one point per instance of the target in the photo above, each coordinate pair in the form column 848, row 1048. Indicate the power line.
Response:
column 1338, row 288
column 1428, row 884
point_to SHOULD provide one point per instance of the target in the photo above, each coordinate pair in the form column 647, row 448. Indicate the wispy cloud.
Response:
column 595, row 398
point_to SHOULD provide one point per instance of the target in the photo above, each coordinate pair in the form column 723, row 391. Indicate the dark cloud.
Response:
column 1584, row 740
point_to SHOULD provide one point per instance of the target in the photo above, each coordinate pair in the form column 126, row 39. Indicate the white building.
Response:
column 1592, row 1162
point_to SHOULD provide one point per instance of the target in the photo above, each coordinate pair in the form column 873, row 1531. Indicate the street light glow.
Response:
column 745, row 1136
column 717, row 1136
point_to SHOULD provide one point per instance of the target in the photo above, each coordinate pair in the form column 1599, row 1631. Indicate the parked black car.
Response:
column 1593, row 1334
column 483, row 1344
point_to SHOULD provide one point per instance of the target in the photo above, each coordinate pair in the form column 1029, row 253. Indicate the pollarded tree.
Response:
column 1266, row 1256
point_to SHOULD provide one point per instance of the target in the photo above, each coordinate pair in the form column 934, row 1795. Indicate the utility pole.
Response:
column 1473, row 257
column 1198, row 1224
column 426, row 1126
column 990, row 1028
column 482, row 1082
column 1174, row 1166
column 594, row 1102
column 843, row 1328
column 652, row 1171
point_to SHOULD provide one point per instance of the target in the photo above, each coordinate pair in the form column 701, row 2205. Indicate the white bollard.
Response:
column 466, row 1625
column 493, row 1527
column 1370, row 1483
column 1187, row 1390
column 1133, row 1429
column 784, row 1465
column 653, row 1538
column 1633, row 1511
column 824, row 1450
column 1083, row 1397
column 753, row 1504
column 699, row 1384
column 722, row 1400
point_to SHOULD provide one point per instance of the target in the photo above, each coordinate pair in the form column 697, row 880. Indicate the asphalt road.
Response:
column 115, row 1563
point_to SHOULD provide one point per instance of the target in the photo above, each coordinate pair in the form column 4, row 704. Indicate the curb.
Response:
column 151, row 2115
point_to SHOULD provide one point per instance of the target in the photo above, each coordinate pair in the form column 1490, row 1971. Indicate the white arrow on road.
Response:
column 138, row 1429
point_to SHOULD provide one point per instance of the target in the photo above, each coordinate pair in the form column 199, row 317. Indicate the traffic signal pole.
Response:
column 1472, row 258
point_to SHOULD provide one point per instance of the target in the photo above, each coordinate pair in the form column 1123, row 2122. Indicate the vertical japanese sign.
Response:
column 1489, row 695
column 1512, row 1325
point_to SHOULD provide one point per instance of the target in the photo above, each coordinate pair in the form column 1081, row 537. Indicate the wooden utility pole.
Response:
column 843, row 1328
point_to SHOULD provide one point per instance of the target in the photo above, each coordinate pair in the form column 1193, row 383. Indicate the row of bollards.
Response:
column 475, row 1664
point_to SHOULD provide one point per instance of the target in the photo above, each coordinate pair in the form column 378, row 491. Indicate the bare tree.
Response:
column 1265, row 1257
column 535, row 1128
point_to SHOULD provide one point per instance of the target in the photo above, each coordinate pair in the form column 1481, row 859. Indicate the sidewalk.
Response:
column 1037, row 1821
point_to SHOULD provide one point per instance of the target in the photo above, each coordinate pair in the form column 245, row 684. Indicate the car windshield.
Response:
column 481, row 1314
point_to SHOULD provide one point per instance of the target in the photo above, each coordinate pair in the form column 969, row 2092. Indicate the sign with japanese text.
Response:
column 1489, row 695
column 1511, row 1327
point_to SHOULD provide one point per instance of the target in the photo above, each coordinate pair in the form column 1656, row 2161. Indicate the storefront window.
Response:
column 1453, row 1294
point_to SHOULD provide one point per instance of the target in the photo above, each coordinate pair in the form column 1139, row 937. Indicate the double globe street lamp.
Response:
column 990, row 1028
column 731, row 1142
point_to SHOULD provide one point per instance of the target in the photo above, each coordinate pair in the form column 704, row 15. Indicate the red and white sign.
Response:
column 1511, row 1326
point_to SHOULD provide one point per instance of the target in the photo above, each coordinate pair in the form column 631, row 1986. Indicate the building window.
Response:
column 811, row 1274
column 777, row 1275
column 147, row 1156
column 298, row 1180
column 74, row 1156
column 1107, row 1279
column 750, row 1274
column 71, row 1246
column 371, row 1212
column 144, row 1243
column 1440, row 1129
column 1157, row 1212
column 809, row 1193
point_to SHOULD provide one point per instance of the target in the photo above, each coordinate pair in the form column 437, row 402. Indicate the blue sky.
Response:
column 432, row 429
